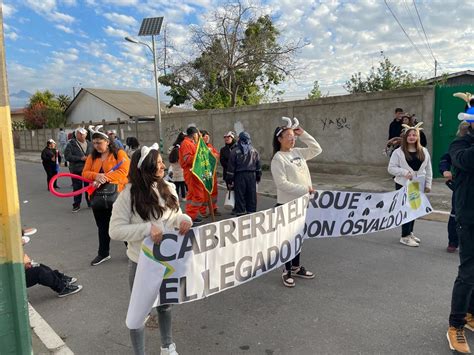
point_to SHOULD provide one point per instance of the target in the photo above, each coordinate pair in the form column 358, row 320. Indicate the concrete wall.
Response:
column 352, row 129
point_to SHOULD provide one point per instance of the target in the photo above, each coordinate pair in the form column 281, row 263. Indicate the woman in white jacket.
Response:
column 146, row 207
column 409, row 161
column 292, row 179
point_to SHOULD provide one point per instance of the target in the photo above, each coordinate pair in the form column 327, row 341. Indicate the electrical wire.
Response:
column 423, row 28
column 406, row 34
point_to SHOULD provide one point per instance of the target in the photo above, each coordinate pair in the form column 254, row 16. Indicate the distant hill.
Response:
column 19, row 99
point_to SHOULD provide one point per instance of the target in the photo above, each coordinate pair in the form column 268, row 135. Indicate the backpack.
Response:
column 174, row 154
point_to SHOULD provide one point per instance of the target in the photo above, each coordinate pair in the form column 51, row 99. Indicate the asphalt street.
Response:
column 371, row 295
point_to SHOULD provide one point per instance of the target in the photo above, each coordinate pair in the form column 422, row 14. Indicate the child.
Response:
column 409, row 161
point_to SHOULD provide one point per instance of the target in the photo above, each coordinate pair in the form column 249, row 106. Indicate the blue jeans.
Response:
column 137, row 336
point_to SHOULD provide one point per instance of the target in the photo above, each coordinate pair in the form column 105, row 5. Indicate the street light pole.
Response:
column 158, row 108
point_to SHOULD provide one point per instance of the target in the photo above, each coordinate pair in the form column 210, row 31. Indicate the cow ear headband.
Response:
column 289, row 124
column 144, row 152
column 96, row 130
column 416, row 127
column 467, row 116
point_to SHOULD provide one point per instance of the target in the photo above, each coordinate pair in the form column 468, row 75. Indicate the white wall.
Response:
column 90, row 108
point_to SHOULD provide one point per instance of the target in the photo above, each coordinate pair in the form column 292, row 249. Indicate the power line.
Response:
column 406, row 34
column 423, row 28
column 414, row 22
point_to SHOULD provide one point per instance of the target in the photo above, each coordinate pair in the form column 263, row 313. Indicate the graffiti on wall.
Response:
column 335, row 123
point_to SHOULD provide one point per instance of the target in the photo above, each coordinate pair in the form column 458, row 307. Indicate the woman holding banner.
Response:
column 147, row 207
column 409, row 161
column 106, row 164
column 292, row 179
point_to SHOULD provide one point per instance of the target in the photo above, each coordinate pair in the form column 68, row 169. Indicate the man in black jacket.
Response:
column 243, row 174
column 461, row 151
column 76, row 154
column 229, row 140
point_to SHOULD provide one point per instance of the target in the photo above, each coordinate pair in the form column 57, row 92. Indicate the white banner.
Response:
column 221, row 255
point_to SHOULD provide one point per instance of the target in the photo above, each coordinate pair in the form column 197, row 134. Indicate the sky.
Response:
column 64, row 44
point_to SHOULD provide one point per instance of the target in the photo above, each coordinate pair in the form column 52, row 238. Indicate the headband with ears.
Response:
column 144, row 152
column 416, row 127
column 95, row 130
column 467, row 116
column 289, row 124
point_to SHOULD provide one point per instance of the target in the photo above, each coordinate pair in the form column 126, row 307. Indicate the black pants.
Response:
column 180, row 186
column 453, row 240
column 296, row 260
column 102, row 220
column 43, row 275
column 77, row 185
column 50, row 172
column 462, row 300
column 407, row 228
column 245, row 189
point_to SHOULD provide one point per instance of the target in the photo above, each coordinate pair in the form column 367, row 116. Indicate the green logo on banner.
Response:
column 204, row 165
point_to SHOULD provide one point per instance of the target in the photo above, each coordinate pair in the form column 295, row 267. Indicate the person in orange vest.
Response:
column 207, row 139
column 196, row 196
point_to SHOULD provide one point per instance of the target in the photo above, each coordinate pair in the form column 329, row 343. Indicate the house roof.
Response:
column 449, row 76
column 131, row 103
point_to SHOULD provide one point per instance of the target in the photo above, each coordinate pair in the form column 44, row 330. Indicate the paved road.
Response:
column 372, row 295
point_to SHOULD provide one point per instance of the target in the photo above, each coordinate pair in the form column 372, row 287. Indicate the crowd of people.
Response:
column 146, row 198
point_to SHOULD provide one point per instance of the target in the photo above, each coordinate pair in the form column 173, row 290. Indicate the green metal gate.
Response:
column 445, row 120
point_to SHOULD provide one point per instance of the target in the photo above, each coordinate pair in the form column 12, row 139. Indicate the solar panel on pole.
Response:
column 151, row 26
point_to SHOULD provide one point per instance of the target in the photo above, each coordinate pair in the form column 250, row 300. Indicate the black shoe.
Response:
column 69, row 290
column 69, row 280
column 76, row 209
column 99, row 260
column 197, row 221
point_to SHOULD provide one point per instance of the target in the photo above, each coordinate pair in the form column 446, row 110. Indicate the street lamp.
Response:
column 152, row 27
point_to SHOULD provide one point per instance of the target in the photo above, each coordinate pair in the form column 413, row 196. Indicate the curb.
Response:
column 46, row 334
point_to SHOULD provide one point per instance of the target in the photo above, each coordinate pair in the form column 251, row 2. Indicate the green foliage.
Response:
column 63, row 101
column 45, row 110
column 18, row 125
column 315, row 92
column 239, row 60
column 386, row 76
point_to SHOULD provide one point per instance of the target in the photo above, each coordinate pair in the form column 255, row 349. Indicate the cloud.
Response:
column 68, row 2
column 64, row 28
column 11, row 35
column 8, row 10
column 60, row 17
column 115, row 32
column 119, row 19
column 121, row 2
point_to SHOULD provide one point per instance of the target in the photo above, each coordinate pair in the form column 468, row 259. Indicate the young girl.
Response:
column 292, row 179
column 146, row 207
column 409, row 161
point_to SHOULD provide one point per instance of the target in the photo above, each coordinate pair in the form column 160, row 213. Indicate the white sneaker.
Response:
column 171, row 350
column 408, row 241
column 416, row 239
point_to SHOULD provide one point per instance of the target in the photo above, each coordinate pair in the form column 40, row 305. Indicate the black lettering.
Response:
column 207, row 237
column 258, row 219
column 166, row 288
column 183, row 291
column 329, row 201
column 226, row 231
column 280, row 218
column 346, row 227
column 337, row 203
column 247, row 270
column 225, row 274
column 244, row 227
column 189, row 243
column 259, row 264
column 207, row 284
column 272, row 260
column 354, row 199
column 292, row 211
column 284, row 259
column 157, row 248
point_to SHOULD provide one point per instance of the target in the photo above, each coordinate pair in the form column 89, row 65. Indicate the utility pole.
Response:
column 15, row 336
column 436, row 68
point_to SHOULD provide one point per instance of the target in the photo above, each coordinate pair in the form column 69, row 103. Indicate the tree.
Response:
column 315, row 92
column 44, row 110
column 386, row 76
column 239, row 60
column 63, row 101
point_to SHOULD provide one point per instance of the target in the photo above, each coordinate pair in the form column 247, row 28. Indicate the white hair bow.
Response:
column 289, row 124
column 96, row 130
column 145, row 151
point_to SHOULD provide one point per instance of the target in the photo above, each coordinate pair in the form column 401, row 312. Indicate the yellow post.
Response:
column 15, row 337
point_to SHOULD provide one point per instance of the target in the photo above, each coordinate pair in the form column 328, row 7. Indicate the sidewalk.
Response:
column 440, row 197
